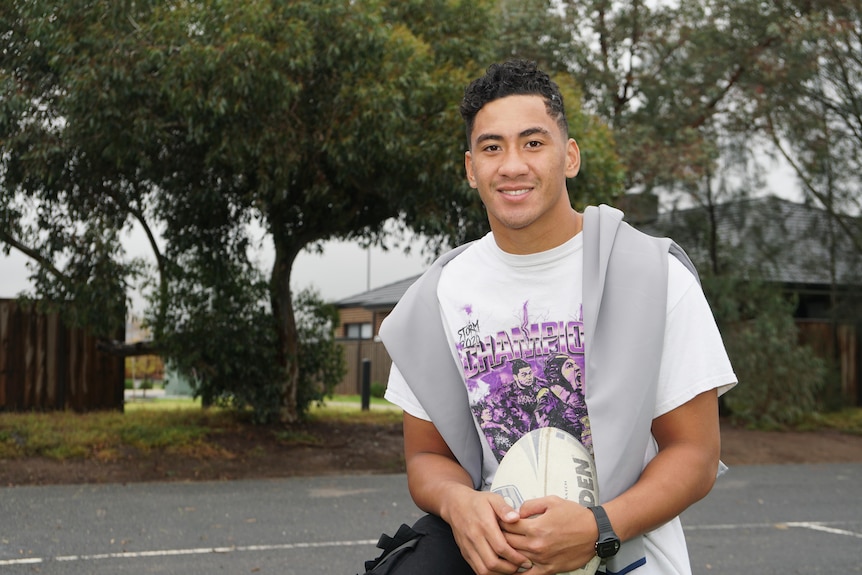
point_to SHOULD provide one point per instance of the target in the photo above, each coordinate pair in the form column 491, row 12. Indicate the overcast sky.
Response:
column 341, row 271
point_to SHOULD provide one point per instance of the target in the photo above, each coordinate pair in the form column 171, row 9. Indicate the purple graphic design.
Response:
column 529, row 377
column 561, row 402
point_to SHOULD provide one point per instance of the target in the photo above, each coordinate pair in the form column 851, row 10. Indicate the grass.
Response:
column 106, row 435
column 181, row 426
column 847, row 421
column 347, row 408
column 176, row 425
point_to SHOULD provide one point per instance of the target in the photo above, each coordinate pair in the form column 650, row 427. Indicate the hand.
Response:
column 556, row 535
column 476, row 518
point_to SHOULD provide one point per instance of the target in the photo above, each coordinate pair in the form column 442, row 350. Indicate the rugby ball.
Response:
column 549, row 461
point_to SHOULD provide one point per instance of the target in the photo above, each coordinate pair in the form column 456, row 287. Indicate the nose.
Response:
column 513, row 164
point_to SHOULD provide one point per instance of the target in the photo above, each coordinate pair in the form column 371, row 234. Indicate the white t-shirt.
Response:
column 515, row 323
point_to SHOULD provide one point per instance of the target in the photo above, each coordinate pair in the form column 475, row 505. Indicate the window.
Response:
column 358, row 331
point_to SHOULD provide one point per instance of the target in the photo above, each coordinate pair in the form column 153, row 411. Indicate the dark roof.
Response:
column 383, row 297
column 779, row 240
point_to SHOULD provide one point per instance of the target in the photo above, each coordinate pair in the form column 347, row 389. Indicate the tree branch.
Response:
column 33, row 254
column 840, row 218
column 740, row 70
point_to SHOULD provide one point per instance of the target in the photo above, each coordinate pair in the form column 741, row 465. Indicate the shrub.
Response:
column 378, row 389
column 321, row 358
column 779, row 379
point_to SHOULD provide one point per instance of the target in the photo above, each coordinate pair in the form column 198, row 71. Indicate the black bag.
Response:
column 394, row 549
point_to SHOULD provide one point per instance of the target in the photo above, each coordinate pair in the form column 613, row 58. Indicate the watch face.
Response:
column 609, row 548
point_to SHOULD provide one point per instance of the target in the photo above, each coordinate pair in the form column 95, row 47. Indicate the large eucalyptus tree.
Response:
column 196, row 120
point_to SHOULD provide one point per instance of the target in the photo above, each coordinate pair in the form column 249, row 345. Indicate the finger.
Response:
column 509, row 558
column 504, row 511
column 482, row 542
column 534, row 507
column 505, row 560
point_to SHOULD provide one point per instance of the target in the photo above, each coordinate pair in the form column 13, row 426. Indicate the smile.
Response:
column 515, row 192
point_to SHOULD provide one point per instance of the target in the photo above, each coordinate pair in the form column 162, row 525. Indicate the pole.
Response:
column 368, row 269
column 366, row 384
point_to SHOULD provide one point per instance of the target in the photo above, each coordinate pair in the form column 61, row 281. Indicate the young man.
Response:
column 578, row 297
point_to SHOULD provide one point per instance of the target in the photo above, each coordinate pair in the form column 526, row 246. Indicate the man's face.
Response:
column 524, row 377
column 572, row 373
column 519, row 161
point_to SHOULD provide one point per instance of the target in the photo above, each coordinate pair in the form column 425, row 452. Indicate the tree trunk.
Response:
column 287, row 339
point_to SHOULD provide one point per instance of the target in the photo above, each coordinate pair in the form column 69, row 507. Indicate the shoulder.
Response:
column 680, row 280
column 679, row 262
column 604, row 226
column 465, row 258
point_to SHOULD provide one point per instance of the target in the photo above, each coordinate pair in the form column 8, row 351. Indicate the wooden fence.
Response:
column 840, row 343
column 355, row 350
column 45, row 365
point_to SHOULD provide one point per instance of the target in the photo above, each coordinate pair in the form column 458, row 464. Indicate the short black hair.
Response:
column 512, row 78
column 518, row 365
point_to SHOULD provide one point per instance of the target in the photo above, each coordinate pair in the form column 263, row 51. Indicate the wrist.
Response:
column 453, row 498
column 607, row 542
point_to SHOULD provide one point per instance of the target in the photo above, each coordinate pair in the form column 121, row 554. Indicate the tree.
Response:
column 673, row 79
column 194, row 120
column 690, row 89
column 534, row 30
column 814, row 121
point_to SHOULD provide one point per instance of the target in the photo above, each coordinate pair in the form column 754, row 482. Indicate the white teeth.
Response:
column 515, row 192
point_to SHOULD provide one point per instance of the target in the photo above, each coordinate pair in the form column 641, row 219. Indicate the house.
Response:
column 794, row 245
column 791, row 244
column 360, row 318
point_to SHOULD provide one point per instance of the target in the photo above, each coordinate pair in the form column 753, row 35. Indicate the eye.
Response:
column 534, row 144
column 491, row 148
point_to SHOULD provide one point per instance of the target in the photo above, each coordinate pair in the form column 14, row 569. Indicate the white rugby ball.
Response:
column 549, row 461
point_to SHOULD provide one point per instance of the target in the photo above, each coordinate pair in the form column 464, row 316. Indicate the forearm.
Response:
column 435, row 481
column 681, row 473
column 677, row 477
column 440, row 486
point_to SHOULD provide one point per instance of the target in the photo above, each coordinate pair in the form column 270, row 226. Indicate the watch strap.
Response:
column 607, row 543
column 602, row 520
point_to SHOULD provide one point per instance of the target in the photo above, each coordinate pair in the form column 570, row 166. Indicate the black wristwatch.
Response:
column 608, row 543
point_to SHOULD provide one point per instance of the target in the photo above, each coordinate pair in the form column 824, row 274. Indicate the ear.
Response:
column 468, row 167
column 573, row 159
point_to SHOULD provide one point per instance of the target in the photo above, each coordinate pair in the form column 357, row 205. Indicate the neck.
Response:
column 526, row 241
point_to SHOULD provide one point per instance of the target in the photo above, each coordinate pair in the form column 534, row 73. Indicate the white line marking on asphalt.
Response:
column 727, row 526
column 825, row 529
column 193, row 551
column 29, row 561
column 813, row 525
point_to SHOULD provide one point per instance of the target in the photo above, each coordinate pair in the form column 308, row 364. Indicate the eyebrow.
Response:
column 524, row 134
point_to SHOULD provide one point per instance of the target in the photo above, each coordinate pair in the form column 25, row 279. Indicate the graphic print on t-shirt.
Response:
column 528, row 376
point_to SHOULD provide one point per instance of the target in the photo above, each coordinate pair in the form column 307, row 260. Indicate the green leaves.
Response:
column 190, row 120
